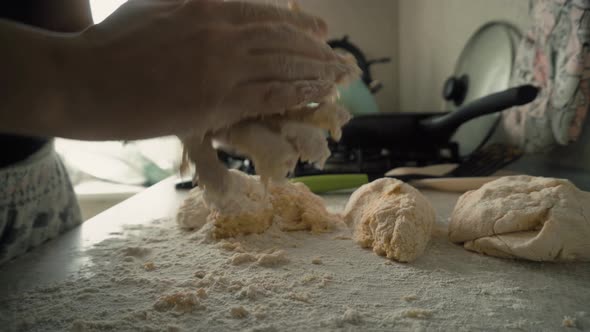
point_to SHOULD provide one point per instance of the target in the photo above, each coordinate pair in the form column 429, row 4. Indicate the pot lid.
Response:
column 484, row 67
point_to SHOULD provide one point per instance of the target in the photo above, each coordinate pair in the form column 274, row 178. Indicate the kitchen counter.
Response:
column 446, row 289
column 57, row 259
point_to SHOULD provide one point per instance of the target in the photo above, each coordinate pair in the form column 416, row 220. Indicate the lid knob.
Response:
column 455, row 89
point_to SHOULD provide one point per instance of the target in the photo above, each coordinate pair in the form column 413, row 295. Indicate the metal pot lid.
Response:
column 484, row 67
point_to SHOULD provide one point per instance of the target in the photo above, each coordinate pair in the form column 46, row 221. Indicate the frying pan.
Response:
column 427, row 129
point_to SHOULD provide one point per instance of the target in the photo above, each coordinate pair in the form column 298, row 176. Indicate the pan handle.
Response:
column 497, row 102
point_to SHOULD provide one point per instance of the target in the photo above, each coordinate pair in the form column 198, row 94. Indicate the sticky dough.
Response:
column 534, row 218
column 291, row 206
column 274, row 144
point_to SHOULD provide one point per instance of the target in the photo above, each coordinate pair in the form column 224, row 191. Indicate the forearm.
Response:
column 32, row 94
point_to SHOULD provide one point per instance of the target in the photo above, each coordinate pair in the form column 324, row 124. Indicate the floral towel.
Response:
column 555, row 56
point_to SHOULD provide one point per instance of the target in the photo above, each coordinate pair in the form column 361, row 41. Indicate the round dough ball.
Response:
column 534, row 218
column 391, row 217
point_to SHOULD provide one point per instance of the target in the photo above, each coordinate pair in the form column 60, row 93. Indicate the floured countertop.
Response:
column 145, row 274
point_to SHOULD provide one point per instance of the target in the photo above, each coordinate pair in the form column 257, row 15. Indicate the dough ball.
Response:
column 253, row 209
column 539, row 219
column 391, row 217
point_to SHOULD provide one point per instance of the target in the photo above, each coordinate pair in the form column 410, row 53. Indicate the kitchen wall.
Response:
column 432, row 34
column 373, row 26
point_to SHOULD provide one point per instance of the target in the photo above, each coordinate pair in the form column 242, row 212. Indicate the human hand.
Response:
column 160, row 67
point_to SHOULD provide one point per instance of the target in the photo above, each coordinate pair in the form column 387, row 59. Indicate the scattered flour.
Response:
column 181, row 302
column 274, row 259
column 238, row 312
column 410, row 298
column 195, row 286
column 568, row 322
column 352, row 316
column 416, row 313
column 317, row 261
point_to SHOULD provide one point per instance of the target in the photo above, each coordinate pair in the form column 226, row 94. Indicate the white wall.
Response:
column 432, row 34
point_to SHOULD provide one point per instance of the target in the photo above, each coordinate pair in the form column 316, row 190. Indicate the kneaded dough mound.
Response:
column 534, row 218
column 292, row 206
column 391, row 217
column 274, row 143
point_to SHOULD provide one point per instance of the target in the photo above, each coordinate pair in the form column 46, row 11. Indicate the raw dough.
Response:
column 391, row 217
column 274, row 143
column 229, row 203
column 534, row 218
column 292, row 206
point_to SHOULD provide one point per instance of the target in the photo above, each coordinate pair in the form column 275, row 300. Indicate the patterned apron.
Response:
column 37, row 203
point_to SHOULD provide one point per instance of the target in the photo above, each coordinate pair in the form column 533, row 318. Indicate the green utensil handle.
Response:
column 320, row 184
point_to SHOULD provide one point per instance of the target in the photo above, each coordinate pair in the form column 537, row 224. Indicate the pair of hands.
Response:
column 161, row 67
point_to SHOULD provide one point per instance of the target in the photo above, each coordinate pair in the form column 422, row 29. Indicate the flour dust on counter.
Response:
column 158, row 277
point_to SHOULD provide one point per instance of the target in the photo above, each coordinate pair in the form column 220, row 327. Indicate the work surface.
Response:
column 132, row 269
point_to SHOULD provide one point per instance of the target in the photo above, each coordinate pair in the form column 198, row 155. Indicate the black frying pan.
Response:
column 427, row 129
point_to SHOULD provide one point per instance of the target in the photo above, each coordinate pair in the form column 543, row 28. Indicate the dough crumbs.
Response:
column 272, row 260
column 410, row 298
column 180, row 302
column 342, row 237
column 326, row 280
column 260, row 312
column 149, row 266
column 301, row 297
column 252, row 292
column 417, row 313
column 352, row 316
column 202, row 293
column 316, row 261
column 239, row 259
column 569, row 322
column 137, row 252
column 238, row 312
column 226, row 245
